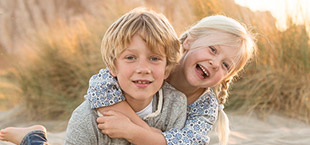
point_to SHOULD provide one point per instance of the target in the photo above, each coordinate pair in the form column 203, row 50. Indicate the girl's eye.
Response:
column 212, row 48
column 226, row 65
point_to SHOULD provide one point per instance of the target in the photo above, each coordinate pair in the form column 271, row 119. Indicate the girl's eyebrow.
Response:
column 217, row 47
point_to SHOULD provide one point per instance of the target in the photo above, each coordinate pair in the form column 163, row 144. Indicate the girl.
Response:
column 214, row 51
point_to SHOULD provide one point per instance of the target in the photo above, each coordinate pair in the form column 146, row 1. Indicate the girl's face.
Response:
column 207, row 65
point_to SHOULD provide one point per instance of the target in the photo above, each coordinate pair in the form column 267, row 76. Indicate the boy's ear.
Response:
column 166, row 75
column 113, row 72
column 168, row 71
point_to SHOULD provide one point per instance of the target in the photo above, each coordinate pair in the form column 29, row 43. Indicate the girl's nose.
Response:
column 213, row 64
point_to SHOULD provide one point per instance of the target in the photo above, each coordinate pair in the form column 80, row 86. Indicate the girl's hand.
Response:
column 115, row 124
column 124, row 108
column 156, row 130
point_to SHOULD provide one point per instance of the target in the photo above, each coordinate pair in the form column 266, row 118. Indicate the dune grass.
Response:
column 52, row 75
column 279, row 81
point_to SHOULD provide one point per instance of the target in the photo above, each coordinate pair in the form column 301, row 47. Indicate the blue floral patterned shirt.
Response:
column 104, row 91
column 201, row 116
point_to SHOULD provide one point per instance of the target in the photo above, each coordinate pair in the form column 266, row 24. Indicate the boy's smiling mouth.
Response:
column 142, row 83
column 202, row 71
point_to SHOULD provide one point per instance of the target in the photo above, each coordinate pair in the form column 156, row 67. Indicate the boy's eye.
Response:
column 154, row 58
column 212, row 48
column 130, row 58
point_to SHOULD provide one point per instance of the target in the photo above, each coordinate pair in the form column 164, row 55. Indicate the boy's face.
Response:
column 140, row 73
column 206, row 66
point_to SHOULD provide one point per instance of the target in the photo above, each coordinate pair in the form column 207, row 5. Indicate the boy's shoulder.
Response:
column 172, row 93
column 172, row 108
column 82, row 126
column 83, row 113
column 83, row 108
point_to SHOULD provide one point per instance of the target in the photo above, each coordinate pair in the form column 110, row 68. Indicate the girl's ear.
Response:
column 113, row 72
column 186, row 44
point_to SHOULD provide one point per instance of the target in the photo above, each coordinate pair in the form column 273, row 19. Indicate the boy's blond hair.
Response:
column 152, row 27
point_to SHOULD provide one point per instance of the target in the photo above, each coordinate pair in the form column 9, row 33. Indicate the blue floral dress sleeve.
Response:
column 201, row 116
column 103, row 90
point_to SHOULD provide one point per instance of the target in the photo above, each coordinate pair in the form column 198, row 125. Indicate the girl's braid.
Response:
column 223, row 91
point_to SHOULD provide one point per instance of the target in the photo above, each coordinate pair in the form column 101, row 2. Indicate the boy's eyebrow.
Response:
column 158, row 54
column 128, row 49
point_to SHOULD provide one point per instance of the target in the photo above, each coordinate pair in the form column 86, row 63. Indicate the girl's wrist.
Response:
column 132, row 132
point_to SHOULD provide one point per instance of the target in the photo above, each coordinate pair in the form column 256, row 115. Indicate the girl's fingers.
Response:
column 106, row 116
column 104, row 130
column 101, row 126
column 100, row 119
column 109, row 113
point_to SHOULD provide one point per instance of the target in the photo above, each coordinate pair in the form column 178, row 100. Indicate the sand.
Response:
column 274, row 130
column 245, row 130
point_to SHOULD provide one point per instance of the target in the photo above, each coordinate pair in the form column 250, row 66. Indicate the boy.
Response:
column 140, row 50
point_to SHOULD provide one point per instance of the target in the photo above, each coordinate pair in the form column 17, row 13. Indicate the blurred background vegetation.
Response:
column 49, row 49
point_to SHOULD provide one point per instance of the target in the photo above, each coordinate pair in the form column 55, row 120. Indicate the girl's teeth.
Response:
column 204, row 71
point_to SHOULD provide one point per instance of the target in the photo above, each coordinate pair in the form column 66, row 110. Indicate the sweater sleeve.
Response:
column 81, row 128
column 103, row 90
column 201, row 117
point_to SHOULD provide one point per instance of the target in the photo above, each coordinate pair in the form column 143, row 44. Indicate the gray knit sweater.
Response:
column 82, row 128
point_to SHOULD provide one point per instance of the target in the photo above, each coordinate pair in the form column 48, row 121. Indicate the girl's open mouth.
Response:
column 202, row 71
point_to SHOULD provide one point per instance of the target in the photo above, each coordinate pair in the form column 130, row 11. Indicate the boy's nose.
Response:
column 143, row 68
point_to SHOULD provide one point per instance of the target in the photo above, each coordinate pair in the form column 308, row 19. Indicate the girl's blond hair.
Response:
column 152, row 27
column 243, row 39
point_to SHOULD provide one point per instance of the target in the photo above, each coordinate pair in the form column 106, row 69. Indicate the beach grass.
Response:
column 52, row 77
column 51, row 74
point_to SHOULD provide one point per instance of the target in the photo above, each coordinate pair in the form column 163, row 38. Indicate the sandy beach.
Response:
column 56, row 129
column 274, row 130
column 246, row 129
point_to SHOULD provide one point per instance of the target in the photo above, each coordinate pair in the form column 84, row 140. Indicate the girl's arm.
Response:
column 104, row 93
column 201, row 117
column 124, row 108
column 196, row 130
column 117, row 125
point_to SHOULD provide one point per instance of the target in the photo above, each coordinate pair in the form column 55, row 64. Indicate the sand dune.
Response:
column 246, row 130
